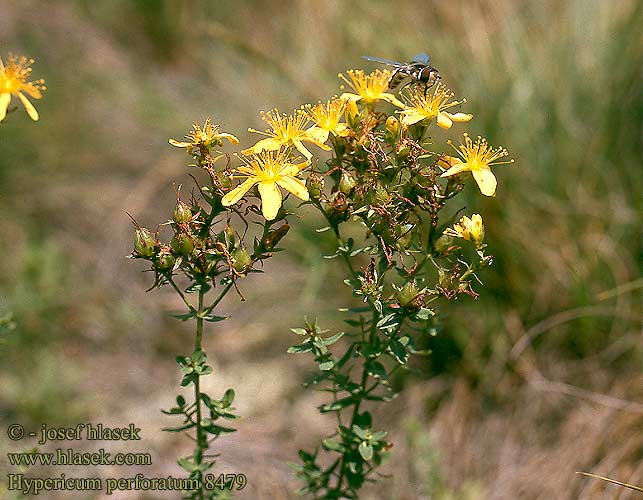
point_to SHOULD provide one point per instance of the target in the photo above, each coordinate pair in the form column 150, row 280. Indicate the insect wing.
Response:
column 422, row 58
column 383, row 61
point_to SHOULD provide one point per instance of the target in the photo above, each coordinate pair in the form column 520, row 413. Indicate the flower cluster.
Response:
column 380, row 172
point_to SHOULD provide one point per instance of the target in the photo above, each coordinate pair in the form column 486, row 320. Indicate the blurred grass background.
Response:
column 538, row 378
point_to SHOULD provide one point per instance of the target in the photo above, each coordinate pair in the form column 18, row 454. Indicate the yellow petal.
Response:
column 303, row 151
column 456, row 169
column 5, row 99
column 179, row 144
column 237, row 193
column 447, row 161
column 392, row 99
column 341, row 130
column 230, row 137
column 486, row 181
column 31, row 111
column 318, row 134
column 443, row 120
column 302, row 165
column 269, row 144
column 459, row 117
column 411, row 116
column 295, row 186
column 270, row 199
column 347, row 96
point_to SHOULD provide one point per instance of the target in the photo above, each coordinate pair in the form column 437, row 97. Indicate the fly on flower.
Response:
column 417, row 71
column 13, row 81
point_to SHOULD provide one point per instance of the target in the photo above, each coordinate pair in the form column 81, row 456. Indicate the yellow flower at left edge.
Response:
column 475, row 157
column 207, row 136
column 286, row 131
column 369, row 88
column 13, row 81
column 422, row 106
column 269, row 169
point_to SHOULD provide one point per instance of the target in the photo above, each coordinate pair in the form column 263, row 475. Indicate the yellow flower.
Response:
column 13, row 80
column 426, row 107
column 286, row 131
column 477, row 158
column 207, row 136
column 470, row 229
column 269, row 170
column 326, row 118
column 369, row 88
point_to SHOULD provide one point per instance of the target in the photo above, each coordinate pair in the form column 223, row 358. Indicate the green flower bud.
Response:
column 315, row 186
column 410, row 297
column 241, row 261
column 229, row 237
column 347, row 183
column 144, row 242
column 182, row 212
column 166, row 260
column 223, row 179
column 273, row 237
column 182, row 244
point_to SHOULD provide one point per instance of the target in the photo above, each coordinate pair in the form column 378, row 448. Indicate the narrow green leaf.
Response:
column 366, row 450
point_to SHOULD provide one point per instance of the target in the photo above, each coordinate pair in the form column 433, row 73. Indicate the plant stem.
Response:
column 201, row 442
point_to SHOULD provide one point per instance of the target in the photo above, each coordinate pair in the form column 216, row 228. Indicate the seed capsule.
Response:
column 347, row 183
column 241, row 261
column 144, row 242
column 182, row 212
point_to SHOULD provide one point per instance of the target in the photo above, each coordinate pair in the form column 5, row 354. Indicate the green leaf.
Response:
column 184, row 316
column 359, row 432
column 198, row 287
column 322, row 229
column 376, row 369
column 399, row 352
column 332, row 445
column 333, row 339
column 326, row 365
column 185, row 427
column 388, row 321
column 227, row 398
column 299, row 331
column 424, row 313
column 337, row 405
column 305, row 347
column 215, row 319
column 366, row 450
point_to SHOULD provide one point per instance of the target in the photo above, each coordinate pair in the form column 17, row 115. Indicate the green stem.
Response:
column 201, row 442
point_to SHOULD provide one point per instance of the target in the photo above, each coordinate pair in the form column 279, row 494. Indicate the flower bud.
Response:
column 182, row 212
column 410, row 297
column 229, row 236
column 166, row 260
column 144, row 242
column 270, row 240
column 315, row 186
column 393, row 125
column 223, row 179
column 339, row 202
column 182, row 244
column 347, row 183
column 241, row 261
